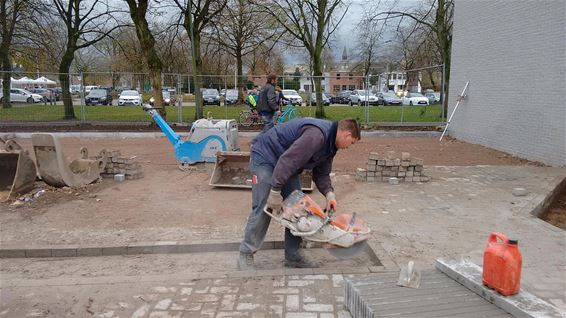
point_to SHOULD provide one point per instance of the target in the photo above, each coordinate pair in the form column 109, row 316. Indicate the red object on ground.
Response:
column 502, row 263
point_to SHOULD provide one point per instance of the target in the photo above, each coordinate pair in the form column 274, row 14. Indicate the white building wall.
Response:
column 514, row 55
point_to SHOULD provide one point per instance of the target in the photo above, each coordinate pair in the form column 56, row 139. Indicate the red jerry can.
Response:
column 502, row 263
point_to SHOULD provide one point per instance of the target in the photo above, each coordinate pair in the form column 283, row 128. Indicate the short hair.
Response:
column 271, row 77
column 350, row 125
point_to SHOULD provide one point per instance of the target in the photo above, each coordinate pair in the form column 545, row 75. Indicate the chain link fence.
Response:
column 375, row 98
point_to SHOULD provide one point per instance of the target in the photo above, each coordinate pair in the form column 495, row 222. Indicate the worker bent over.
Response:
column 278, row 157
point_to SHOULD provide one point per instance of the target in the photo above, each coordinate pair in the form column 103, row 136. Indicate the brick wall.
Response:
column 514, row 55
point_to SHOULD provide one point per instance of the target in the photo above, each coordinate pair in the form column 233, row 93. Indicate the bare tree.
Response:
column 12, row 14
column 197, row 15
column 244, row 29
column 368, row 40
column 86, row 22
column 437, row 17
column 311, row 23
column 138, row 12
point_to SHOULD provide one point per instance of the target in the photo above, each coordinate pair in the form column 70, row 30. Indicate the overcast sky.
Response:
column 347, row 33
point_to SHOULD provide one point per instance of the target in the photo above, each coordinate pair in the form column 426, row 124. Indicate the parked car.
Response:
column 325, row 99
column 58, row 93
column 89, row 88
column 292, row 96
column 387, row 98
column 168, row 100
column 210, row 96
column 343, row 98
column 129, row 97
column 231, row 96
column 330, row 97
column 414, row 99
column 75, row 89
column 433, row 97
column 98, row 96
column 360, row 96
column 18, row 95
column 47, row 94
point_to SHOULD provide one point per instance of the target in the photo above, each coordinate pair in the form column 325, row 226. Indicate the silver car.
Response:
column 18, row 95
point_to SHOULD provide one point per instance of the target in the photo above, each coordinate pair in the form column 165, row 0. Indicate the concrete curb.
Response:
column 376, row 254
column 523, row 304
column 90, row 134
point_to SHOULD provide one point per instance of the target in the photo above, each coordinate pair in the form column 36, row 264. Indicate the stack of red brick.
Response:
column 392, row 168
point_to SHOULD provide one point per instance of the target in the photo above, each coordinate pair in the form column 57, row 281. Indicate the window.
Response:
column 352, row 87
column 307, row 87
column 336, row 88
column 338, row 75
column 350, row 76
column 395, row 76
column 344, row 87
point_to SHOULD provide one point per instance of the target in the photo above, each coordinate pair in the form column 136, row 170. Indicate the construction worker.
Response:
column 278, row 156
column 267, row 104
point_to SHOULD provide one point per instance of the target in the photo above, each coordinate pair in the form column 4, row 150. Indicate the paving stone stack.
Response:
column 392, row 169
column 116, row 164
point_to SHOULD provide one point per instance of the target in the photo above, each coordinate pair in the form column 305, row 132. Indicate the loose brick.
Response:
column 371, row 167
column 373, row 156
column 381, row 162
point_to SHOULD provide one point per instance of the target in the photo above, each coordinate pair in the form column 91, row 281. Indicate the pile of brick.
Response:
column 119, row 165
column 392, row 169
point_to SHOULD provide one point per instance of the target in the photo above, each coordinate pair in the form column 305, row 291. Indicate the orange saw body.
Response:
column 343, row 233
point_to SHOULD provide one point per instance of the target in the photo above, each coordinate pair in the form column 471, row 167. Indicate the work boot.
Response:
column 246, row 262
column 300, row 262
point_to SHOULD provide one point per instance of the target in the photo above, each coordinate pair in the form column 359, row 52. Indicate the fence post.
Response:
column 442, row 96
column 82, row 108
column 179, row 100
column 225, row 104
column 367, row 100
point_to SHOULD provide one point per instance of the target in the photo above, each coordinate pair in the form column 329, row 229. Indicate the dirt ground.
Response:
column 84, row 215
column 556, row 213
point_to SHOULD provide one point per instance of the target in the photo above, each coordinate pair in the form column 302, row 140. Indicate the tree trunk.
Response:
column 6, row 80
column 197, row 72
column 240, row 79
column 147, row 43
column 64, row 68
column 317, row 72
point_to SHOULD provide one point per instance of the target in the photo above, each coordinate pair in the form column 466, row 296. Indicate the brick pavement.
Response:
column 313, row 295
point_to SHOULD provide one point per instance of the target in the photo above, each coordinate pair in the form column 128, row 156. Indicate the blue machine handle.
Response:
column 171, row 135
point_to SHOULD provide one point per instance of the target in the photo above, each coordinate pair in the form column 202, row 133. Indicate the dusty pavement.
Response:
column 468, row 197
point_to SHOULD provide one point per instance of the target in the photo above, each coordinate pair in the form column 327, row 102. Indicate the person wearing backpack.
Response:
column 267, row 104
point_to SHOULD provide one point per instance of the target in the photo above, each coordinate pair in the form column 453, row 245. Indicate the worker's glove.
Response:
column 274, row 202
column 331, row 201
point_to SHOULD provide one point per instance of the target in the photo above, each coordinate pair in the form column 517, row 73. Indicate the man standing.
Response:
column 267, row 104
column 278, row 157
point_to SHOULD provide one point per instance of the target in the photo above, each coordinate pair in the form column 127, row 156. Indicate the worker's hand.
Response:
column 274, row 201
column 331, row 201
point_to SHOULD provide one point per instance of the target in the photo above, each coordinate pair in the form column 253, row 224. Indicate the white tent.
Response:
column 45, row 81
column 28, row 82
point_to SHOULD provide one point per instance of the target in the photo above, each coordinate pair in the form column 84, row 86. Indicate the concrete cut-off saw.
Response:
column 343, row 235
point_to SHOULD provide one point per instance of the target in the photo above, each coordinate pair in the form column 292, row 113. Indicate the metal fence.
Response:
column 346, row 95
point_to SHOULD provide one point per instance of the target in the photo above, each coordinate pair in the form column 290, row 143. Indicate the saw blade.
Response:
column 347, row 252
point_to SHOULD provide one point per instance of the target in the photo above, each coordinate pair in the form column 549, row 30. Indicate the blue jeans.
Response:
column 258, row 221
column 267, row 122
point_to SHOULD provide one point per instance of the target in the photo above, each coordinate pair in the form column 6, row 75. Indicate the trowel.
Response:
column 409, row 276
